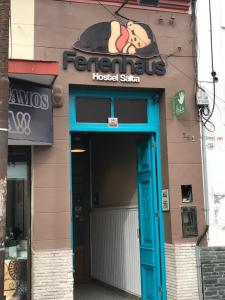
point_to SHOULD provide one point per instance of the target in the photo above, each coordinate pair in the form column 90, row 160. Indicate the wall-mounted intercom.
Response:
column 189, row 221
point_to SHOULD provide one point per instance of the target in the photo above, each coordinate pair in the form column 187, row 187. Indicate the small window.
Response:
column 149, row 2
column 131, row 111
column 92, row 110
column 187, row 195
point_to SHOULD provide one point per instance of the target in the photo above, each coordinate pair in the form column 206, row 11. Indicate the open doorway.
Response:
column 116, row 187
column 106, row 215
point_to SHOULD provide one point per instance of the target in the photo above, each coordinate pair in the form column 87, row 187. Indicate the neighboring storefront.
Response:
column 121, row 185
column 29, row 123
column 17, row 255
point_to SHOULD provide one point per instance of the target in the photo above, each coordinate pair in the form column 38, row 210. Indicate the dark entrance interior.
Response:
column 105, row 213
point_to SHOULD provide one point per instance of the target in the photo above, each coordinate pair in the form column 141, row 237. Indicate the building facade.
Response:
column 214, row 144
column 127, row 209
column 211, row 43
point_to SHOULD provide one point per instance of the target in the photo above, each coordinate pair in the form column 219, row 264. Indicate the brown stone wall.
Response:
column 58, row 25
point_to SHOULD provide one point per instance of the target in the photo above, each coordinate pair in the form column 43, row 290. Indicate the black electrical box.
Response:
column 149, row 2
column 189, row 221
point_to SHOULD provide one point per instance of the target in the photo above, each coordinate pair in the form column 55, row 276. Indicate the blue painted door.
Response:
column 148, row 220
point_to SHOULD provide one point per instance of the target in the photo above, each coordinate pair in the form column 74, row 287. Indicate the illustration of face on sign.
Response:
column 114, row 38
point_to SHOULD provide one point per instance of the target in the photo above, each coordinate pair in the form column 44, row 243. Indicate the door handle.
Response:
column 138, row 233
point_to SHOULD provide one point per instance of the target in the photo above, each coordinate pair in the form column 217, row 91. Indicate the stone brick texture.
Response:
column 181, row 272
column 52, row 275
column 213, row 272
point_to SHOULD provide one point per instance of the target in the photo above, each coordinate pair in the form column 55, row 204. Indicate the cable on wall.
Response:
column 116, row 14
column 121, row 6
column 205, row 113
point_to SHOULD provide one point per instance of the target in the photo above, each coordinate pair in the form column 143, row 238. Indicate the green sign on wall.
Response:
column 178, row 103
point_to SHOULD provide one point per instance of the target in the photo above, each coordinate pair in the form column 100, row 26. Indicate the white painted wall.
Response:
column 215, row 142
column 115, row 255
column 21, row 42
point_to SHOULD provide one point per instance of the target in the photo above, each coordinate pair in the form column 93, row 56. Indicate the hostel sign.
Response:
column 133, row 43
column 107, row 65
column 178, row 103
column 30, row 113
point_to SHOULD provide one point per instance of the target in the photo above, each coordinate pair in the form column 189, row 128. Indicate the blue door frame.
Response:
column 151, row 127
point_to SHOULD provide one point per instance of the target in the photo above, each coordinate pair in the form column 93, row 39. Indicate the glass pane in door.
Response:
column 131, row 111
column 92, row 110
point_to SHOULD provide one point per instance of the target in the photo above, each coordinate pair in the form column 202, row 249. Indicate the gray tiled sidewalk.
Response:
column 93, row 291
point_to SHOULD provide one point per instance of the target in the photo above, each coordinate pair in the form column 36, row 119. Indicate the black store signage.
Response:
column 107, row 65
column 30, row 113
